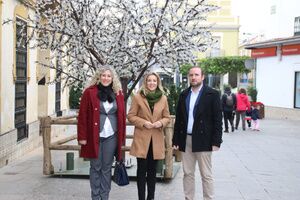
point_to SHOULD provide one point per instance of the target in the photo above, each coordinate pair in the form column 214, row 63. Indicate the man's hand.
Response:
column 148, row 125
column 215, row 148
column 82, row 142
column 157, row 124
column 175, row 147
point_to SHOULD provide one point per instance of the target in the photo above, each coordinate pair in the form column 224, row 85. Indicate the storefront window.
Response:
column 297, row 90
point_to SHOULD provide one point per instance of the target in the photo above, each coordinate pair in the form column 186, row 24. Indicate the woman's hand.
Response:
column 157, row 124
column 148, row 125
column 82, row 142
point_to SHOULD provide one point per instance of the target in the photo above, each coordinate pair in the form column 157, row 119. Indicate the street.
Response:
column 250, row 165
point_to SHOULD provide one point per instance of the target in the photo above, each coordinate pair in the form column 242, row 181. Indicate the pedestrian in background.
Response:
column 101, row 128
column 242, row 104
column 248, row 117
column 228, row 107
column 198, row 132
column 149, row 113
column 255, row 117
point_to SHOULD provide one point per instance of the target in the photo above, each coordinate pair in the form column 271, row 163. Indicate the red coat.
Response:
column 242, row 102
column 88, row 122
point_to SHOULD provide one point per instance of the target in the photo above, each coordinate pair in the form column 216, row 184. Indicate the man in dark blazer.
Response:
column 198, row 132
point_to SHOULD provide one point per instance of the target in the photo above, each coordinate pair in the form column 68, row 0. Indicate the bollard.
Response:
column 70, row 161
column 160, row 166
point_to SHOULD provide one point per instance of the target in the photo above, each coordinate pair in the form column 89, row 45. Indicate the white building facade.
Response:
column 278, row 76
column 277, row 60
column 280, row 18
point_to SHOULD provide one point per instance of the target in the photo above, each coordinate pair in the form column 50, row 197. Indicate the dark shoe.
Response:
column 244, row 129
column 226, row 131
column 232, row 129
column 236, row 128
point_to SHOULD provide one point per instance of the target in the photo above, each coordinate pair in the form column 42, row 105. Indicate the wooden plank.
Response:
column 65, row 140
column 64, row 121
column 129, row 136
column 77, row 147
column 65, row 117
column 46, row 134
column 125, row 148
column 169, row 150
column 65, row 147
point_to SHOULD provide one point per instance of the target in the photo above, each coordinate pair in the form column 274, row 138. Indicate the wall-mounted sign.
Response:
column 263, row 52
column 290, row 49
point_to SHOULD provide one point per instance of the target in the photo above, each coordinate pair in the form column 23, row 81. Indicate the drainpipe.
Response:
column 279, row 52
column 255, row 73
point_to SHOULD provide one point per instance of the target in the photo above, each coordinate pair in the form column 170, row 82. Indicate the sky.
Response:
column 251, row 13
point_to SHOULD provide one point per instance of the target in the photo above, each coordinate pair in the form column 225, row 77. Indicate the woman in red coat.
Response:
column 101, row 128
column 242, row 105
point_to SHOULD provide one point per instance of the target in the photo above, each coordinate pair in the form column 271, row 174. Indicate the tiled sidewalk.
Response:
column 250, row 166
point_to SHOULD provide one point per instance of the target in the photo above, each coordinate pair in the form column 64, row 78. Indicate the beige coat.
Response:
column 138, row 114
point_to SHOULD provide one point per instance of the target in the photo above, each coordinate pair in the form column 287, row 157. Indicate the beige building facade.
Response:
column 25, row 94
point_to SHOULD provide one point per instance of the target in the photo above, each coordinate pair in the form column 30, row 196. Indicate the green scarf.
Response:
column 152, row 97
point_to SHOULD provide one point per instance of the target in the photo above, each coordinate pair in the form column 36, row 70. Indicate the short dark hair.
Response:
column 227, row 88
column 196, row 66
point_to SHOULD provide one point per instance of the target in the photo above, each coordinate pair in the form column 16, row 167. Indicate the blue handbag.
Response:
column 120, row 176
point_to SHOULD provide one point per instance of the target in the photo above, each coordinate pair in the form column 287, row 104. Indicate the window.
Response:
column 58, row 91
column 297, row 26
column 273, row 10
column 21, row 79
column 216, row 48
column 297, row 90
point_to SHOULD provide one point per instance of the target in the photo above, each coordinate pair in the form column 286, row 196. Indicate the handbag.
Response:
column 120, row 176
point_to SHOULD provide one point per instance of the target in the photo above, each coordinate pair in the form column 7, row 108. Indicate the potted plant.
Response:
column 252, row 92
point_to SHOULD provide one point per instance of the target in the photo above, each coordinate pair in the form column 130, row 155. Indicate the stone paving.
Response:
column 251, row 165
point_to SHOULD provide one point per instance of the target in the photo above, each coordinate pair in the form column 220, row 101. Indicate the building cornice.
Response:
column 274, row 42
column 225, row 27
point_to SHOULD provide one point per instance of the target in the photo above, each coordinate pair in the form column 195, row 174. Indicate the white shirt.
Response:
column 193, row 98
column 107, row 128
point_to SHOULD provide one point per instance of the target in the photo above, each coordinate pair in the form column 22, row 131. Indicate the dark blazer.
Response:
column 207, row 128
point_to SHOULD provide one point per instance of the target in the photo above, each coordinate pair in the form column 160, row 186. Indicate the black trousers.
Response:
column 146, row 172
column 228, row 116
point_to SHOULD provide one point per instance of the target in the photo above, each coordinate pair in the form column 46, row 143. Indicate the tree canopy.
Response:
column 220, row 65
column 130, row 35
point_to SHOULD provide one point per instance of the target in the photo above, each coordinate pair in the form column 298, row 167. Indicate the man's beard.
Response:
column 196, row 84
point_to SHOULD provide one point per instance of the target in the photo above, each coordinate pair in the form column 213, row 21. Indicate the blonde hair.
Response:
column 144, row 88
column 116, row 84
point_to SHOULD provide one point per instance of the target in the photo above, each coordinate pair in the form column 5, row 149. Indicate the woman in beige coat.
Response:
column 149, row 113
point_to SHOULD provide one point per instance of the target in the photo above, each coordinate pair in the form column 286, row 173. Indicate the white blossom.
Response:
column 130, row 35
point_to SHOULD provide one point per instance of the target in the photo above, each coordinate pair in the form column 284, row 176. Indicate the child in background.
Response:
column 255, row 117
column 248, row 117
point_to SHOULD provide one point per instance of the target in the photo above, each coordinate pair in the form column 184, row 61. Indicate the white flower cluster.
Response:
column 130, row 35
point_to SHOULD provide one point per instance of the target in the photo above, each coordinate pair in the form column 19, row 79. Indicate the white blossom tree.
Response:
column 129, row 35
